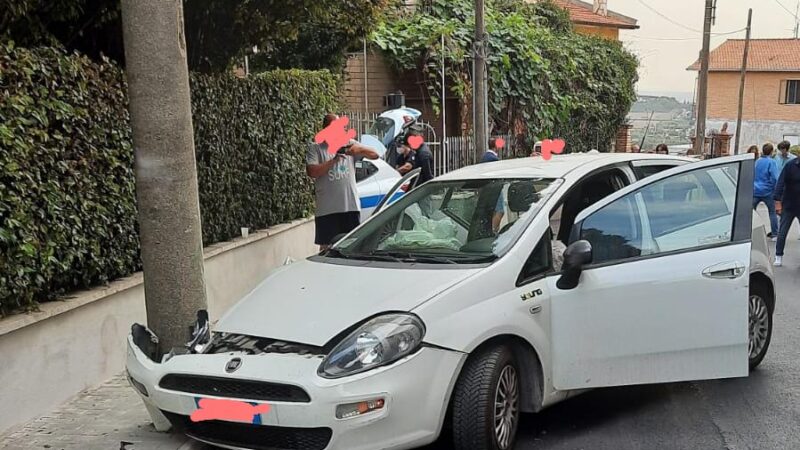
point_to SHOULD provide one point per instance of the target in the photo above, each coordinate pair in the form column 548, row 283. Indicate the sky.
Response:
column 665, row 48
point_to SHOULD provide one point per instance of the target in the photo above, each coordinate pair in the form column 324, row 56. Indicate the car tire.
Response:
column 760, row 323
column 489, row 378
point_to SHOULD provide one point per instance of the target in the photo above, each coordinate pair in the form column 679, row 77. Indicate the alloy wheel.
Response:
column 505, row 407
column 759, row 324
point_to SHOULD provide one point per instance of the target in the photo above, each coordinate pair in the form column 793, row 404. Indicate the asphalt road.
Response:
column 759, row 412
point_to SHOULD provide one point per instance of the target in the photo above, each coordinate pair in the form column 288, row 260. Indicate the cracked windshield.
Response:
column 450, row 222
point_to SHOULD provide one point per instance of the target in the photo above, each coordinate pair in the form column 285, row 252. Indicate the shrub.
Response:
column 67, row 214
column 251, row 137
column 67, row 203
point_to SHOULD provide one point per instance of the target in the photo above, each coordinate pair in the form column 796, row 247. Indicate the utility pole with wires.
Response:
column 797, row 21
column 479, row 87
column 742, row 83
column 700, row 132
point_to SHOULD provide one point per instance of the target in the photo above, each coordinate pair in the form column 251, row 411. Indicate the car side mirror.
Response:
column 577, row 255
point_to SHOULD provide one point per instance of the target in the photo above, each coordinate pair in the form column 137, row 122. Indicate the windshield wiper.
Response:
column 408, row 257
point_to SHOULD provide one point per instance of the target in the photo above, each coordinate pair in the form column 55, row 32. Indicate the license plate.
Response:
column 229, row 410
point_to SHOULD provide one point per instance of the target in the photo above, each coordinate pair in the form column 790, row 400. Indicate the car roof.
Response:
column 557, row 167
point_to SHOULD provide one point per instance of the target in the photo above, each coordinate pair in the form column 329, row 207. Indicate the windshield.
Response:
column 383, row 128
column 450, row 222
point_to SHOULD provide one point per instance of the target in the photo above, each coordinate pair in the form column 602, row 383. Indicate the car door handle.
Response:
column 729, row 270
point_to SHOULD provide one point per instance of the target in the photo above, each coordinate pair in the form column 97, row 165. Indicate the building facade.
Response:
column 771, row 106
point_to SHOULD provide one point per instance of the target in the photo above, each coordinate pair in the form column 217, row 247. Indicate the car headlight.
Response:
column 381, row 341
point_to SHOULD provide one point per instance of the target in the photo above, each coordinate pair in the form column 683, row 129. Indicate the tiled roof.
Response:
column 766, row 55
column 582, row 13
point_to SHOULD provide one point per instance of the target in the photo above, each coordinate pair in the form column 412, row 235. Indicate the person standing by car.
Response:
column 338, row 209
column 782, row 156
column 635, row 148
column 754, row 150
column 764, row 182
column 406, row 159
column 787, row 204
column 662, row 149
column 423, row 160
column 491, row 154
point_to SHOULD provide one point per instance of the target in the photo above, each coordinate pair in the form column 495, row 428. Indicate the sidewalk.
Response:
column 108, row 417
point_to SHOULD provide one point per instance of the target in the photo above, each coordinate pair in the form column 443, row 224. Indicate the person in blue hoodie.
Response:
column 766, row 178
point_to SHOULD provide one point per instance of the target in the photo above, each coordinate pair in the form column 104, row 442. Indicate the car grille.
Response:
column 257, row 437
column 250, row 345
column 234, row 388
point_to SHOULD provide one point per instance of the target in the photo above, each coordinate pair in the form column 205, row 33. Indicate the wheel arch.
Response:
column 761, row 279
column 530, row 366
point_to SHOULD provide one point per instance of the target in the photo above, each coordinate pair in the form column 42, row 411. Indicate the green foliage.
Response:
column 251, row 137
column 545, row 80
column 67, row 214
column 67, row 207
column 306, row 34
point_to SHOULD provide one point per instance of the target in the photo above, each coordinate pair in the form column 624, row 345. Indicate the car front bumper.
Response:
column 415, row 390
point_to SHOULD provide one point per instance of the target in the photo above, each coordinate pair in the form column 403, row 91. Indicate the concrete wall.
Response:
column 759, row 132
column 761, row 96
column 51, row 355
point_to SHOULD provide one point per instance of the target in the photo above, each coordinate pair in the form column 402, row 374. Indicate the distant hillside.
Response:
column 647, row 104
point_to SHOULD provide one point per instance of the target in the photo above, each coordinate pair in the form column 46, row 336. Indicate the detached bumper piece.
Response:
column 234, row 388
column 256, row 437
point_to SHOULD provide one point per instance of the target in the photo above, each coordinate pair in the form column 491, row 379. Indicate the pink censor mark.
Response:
column 415, row 142
column 550, row 146
column 228, row 410
column 336, row 135
column 500, row 143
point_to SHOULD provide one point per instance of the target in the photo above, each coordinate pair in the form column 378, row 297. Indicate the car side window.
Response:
column 364, row 170
column 684, row 211
column 643, row 172
column 538, row 262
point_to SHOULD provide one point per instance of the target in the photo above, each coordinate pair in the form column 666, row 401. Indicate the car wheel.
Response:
column 760, row 323
column 485, row 408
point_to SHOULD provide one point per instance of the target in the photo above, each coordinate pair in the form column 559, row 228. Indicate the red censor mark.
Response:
column 550, row 146
column 415, row 142
column 228, row 410
column 336, row 135
column 500, row 143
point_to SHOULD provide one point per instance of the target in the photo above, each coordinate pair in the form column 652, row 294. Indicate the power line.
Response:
column 668, row 19
column 634, row 38
column 787, row 9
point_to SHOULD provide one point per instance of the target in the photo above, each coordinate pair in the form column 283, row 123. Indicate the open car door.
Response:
column 665, row 296
column 405, row 184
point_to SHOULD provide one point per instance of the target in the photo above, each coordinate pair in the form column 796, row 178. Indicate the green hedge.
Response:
column 67, row 208
column 67, row 215
column 251, row 137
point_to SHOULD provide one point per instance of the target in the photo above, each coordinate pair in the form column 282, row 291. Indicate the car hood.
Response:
column 311, row 301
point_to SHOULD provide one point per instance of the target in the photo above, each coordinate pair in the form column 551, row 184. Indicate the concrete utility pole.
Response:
column 166, row 178
column 700, row 133
column 480, row 85
column 742, row 82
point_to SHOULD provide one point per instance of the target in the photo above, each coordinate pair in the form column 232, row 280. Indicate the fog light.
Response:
column 138, row 386
column 359, row 409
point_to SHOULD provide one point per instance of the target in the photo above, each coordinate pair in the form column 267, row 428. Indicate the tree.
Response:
column 166, row 178
column 308, row 34
column 545, row 80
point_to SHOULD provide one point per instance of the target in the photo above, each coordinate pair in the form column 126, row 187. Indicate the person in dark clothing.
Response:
column 406, row 159
column 491, row 154
column 423, row 160
column 787, row 197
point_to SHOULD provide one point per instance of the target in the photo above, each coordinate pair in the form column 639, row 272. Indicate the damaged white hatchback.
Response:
column 455, row 309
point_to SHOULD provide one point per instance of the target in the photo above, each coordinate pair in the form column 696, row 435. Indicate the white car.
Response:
column 448, row 312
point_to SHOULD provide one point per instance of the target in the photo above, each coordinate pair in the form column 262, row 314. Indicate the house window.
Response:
column 790, row 92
